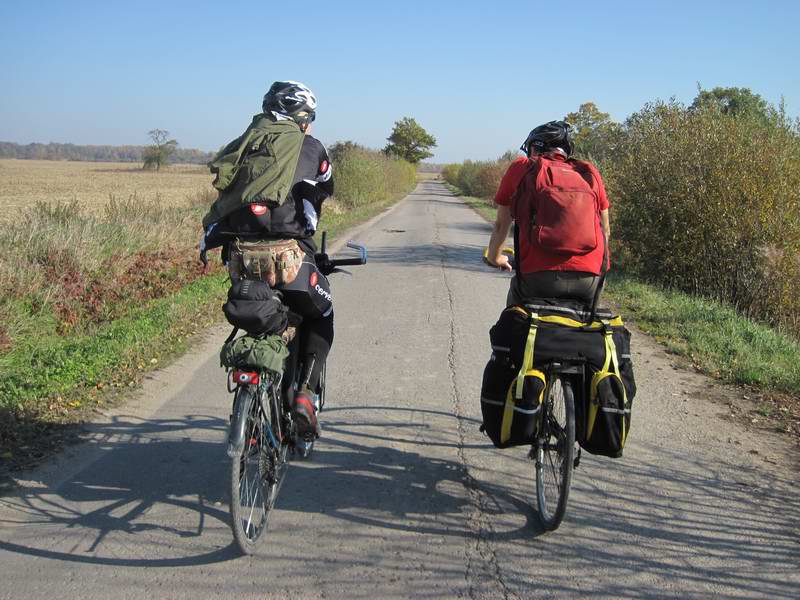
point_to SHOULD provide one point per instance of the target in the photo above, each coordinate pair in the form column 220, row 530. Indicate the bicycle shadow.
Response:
column 153, row 481
column 656, row 513
column 364, row 469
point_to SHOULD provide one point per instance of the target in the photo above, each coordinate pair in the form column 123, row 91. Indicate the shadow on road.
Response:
column 454, row 256
column 720, row 523
column 153, row 465
column 153, row 499
column 376, row 472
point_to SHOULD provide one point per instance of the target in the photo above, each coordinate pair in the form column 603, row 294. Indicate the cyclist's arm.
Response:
column 502, row 226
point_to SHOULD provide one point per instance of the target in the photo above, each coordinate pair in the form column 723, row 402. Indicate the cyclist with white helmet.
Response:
column 295, row 218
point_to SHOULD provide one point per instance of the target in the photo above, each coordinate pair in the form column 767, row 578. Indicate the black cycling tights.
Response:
column 316, row 338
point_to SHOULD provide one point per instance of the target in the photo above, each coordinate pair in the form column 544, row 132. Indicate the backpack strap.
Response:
column 603, row 272
column 231, row 336
column 530, row 176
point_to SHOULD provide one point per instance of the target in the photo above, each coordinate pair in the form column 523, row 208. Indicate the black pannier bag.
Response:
column 255, row 308
column 606, row 418
column 510, row 405
column 561, row 333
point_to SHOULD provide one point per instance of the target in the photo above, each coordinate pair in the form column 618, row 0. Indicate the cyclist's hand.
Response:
column 503, row 263
column 323, row 263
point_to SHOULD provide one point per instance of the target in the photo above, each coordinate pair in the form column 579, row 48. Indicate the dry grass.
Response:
column 25, row 182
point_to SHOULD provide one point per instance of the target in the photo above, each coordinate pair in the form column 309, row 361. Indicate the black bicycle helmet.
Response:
column 293, row 99
column 552, row 135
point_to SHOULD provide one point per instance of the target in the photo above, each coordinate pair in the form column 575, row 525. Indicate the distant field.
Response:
column 23, row 182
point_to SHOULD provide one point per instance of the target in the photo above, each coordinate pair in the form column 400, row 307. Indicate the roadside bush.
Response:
column 365, row 176
column 709, row 203
column 450, row 173
column 478, row 178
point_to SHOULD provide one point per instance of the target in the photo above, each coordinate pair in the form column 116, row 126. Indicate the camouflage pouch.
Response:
column 274, row 262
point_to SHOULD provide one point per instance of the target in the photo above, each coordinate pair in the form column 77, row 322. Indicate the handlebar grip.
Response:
column 346, row 262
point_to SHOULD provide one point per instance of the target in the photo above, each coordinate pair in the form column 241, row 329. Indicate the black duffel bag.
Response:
column 254, row 307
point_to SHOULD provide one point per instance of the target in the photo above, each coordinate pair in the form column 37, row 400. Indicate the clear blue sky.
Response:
column 478, row 75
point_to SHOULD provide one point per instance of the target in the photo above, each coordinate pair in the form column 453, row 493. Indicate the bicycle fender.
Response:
column 241, row 408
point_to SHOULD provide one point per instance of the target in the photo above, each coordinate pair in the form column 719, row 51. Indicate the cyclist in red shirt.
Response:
column 543, row 273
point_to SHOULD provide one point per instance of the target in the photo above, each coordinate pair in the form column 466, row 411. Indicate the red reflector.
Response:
column 313, row 279
column 258, row 209
column 245, row 377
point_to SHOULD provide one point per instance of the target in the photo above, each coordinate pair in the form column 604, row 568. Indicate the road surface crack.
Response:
column 481, row 555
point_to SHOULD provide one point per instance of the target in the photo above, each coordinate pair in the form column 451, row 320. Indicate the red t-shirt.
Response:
column 536, row 258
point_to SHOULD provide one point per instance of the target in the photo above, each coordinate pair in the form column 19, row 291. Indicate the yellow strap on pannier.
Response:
column 517, row 386
column 615, row 322
column 611, row 360
column 527, row 359
column 508, row 409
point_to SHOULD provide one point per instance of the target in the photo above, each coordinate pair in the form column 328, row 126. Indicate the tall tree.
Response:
column 410, row 141
column 158, row 154
column 595, row 131
column 732, row 101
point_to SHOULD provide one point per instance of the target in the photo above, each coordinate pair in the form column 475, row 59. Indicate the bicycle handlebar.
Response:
column 361, row 260
column 329, row 265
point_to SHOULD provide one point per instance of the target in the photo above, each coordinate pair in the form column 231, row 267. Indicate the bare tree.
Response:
column 158, row 154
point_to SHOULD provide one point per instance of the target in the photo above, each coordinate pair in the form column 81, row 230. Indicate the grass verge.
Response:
column 50, row 383
column 718, row 341
column 713, row 337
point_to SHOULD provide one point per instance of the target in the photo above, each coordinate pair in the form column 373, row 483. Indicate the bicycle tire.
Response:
column 555, row 452
column 256, row 472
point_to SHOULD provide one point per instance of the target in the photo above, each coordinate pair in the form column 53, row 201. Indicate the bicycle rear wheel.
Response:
column 555, row 452
column 257, row 471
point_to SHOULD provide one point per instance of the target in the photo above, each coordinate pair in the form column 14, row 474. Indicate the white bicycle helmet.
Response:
column 292, row 99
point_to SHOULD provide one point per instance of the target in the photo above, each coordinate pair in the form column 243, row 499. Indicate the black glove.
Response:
column 324, row 264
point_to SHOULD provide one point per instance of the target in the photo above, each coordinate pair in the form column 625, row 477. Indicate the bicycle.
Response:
column 262, row 435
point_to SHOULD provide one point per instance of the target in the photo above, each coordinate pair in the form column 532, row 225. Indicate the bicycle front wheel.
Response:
column 256, row 471
column 555, row 452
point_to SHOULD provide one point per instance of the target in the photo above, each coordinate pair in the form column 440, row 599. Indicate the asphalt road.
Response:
column 404, row 498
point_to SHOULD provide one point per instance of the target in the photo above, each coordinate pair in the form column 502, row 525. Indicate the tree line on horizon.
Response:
column 90, row 153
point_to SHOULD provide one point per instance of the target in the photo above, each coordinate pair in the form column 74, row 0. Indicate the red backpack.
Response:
column 557, row 202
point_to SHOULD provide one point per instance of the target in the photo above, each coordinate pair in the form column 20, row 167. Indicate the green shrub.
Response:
column 478, row 178
column 709, row 203
column 365, row 176
column 450, row 173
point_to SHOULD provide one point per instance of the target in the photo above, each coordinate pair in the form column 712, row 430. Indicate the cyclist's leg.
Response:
column 309, row 296
column 316, row 341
